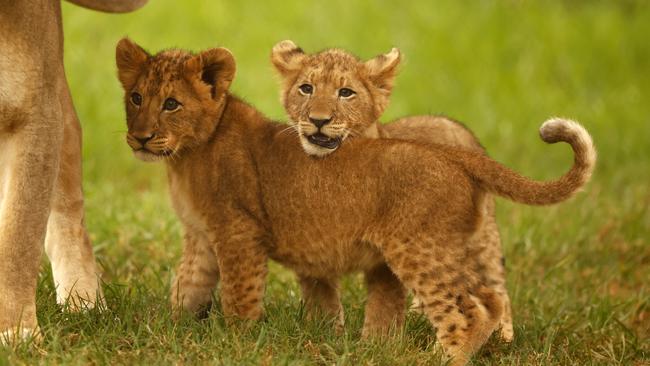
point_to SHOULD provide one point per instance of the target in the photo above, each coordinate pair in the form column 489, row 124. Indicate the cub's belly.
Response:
column 322, row 259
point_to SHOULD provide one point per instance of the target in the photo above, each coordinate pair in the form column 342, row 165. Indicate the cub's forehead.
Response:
column 330, row 62
column 163, row 69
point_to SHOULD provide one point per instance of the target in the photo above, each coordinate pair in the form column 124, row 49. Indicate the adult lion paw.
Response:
column 20, row 335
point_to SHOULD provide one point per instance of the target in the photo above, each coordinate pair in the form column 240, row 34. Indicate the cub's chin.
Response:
column 150, row 157
column 319, row 145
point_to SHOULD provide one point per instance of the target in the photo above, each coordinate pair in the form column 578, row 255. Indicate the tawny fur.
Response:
column 41, row 199
column 372, row 81
column 246, row 192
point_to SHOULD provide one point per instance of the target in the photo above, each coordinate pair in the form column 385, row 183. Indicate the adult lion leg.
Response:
column 322, row 297
column 386, row 304
column 197, row 276
column 31, row 131
column 67, row 243
column 28, row 171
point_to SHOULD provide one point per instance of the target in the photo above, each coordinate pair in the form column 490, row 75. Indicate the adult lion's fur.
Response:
column 41, row 199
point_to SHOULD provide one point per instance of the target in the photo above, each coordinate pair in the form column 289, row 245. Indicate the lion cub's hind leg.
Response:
column 432, row 269
column 386, row 304
column 489, row 264
column 322, row 298
column 487, row 302
column 506, row 331
column 492, row 269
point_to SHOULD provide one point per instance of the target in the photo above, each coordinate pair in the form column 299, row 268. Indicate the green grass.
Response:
column 577, row 272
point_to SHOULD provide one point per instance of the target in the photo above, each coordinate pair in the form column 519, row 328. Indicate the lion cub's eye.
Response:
column 306, row 89
column 136, row 99
column 346, row 93
column 171, row 104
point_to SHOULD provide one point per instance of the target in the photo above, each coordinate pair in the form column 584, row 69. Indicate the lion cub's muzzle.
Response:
column 149, row 146
column 323, row 140
column 319, row 132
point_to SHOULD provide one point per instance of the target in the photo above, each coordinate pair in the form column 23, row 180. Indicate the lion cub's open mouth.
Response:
column 323, row 140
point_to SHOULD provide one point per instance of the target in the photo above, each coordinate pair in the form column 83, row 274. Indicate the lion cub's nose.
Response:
column 319, row 122
column 144, row 139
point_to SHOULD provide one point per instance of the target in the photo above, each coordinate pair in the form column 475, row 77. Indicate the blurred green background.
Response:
column 577, row 272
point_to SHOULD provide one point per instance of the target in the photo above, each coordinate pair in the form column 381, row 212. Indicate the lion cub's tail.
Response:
column 496, row 178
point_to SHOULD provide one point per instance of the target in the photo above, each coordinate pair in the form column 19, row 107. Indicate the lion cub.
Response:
column 332, row 95
column 246, row 192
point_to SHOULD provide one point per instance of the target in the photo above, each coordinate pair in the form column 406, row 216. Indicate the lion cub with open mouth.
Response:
column 246, row 192
column 331, row 96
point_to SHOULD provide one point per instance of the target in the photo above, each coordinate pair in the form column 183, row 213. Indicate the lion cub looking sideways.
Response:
column 246, row 192
column 332, row 95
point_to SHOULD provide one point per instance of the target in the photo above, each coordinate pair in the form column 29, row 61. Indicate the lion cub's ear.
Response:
column 130, row 59
column 381, row 72
column 212, row 70
column 383, row 68
column 287, row 57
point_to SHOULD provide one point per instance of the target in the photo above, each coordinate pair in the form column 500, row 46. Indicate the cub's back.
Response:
column 367, row 181
column 432, row 129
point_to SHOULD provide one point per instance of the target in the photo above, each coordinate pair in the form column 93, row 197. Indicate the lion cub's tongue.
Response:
column 320, row 137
